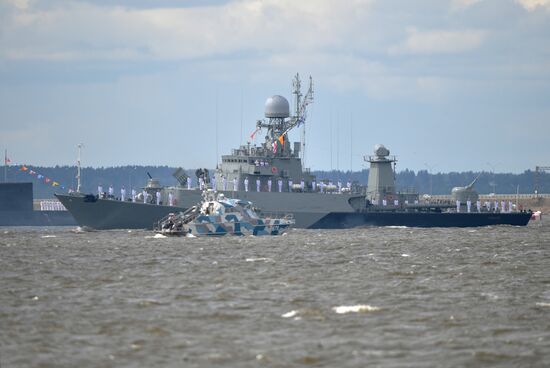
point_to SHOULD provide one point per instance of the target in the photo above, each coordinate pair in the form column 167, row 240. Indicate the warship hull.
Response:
column 343, row 220
column 101, row 214
column 308, row 209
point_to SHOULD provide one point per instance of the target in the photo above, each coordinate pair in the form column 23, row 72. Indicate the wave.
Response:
column 259, row 259
column 363, row 308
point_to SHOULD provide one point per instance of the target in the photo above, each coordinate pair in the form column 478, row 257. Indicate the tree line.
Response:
column 407, row 180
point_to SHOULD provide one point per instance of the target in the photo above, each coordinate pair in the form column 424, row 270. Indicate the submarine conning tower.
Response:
column 381, row 183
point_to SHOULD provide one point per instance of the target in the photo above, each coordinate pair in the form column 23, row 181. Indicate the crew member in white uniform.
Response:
column 158, row 197
column 134, row 195
column 122, row 194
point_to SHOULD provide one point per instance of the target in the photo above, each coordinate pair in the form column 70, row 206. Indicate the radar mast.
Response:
column 279, row 122
column 78, row 175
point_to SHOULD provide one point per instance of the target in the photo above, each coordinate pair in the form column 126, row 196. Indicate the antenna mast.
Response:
column 78, row 175
column 300, row 114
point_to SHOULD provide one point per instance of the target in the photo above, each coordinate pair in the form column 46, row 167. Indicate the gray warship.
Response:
column 272, row 176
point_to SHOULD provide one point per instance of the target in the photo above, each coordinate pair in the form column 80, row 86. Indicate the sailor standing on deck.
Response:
column 258, row 182
column 302, row 185
column 224, row 183
column 468, row 205
column 478, row 205
column 246, row 184
column 280, row 184
column 235, row 185
column 100, row 191
column 170, row 199
column 269, row 185
column 313, row 186
column 134, row 195
column 145, row 194
column 188, row 182
column 122, row 194
column 111, row 191
column 290, row 185
column 158, row 197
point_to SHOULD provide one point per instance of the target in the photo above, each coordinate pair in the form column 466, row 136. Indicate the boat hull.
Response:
column 343, row 220
column 215, row 226
column 105, row 214
column 111, row 214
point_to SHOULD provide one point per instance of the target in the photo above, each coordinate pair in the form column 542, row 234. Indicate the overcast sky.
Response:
column 446, row 85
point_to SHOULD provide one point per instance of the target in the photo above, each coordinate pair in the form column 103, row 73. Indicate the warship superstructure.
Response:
column 272, row 176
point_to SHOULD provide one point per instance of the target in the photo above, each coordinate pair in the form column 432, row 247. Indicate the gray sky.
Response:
column 449, row 85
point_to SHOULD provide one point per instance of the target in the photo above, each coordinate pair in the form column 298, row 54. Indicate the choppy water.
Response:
column 389, row 297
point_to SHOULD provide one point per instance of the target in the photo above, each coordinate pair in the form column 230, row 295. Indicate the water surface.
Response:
column 388, row 297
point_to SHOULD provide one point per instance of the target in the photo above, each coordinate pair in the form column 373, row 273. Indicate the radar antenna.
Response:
column 277, row 125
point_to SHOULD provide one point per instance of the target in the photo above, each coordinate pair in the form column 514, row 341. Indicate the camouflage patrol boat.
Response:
column 217, row 215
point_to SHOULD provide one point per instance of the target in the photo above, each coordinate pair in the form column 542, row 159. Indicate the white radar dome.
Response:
column 277, row 107
column 381, row 151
